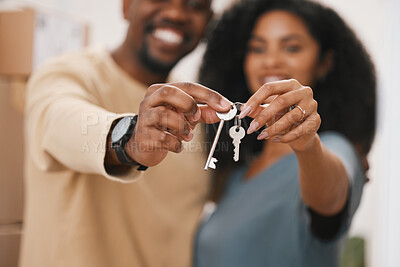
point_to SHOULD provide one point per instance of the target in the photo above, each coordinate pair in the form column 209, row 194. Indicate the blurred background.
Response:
column 44, row 28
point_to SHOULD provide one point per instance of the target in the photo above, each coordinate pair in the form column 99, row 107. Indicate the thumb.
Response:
column 208, row 115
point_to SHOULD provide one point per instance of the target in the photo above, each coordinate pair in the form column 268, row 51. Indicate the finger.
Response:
column 168, row 95
column 159, row 141
column 170, row 142
column 208, row 115
column 203, row 94
column 280, row 104
column 283, row 125
column 152, row 88
column 309, row 127
column 267, row 90
column 168, row 120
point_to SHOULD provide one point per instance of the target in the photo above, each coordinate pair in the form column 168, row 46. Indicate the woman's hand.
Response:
column 291, row 117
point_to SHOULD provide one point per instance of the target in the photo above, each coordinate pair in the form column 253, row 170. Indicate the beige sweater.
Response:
column 75, row 213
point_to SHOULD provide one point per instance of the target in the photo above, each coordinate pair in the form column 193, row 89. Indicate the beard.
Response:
column 154, row 65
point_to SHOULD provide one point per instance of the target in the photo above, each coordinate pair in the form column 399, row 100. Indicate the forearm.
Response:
column 110, row 159
column 324, row 182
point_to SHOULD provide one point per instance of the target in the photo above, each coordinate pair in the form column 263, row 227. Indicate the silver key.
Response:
column 210, row 163
column 236, row 132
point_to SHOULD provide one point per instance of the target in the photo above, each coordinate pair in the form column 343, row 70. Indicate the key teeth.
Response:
column 212, row 163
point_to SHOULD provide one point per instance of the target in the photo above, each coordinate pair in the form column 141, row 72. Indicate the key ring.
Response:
column 237, row 122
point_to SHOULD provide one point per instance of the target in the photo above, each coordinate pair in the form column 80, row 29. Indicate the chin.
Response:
column 155, row 63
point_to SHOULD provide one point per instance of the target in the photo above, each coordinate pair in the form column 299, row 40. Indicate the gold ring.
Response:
column 303, row 112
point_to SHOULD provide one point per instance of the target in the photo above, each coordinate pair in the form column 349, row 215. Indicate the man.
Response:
column 84, row 143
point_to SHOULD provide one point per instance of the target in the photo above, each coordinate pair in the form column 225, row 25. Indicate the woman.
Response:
column 290, row 199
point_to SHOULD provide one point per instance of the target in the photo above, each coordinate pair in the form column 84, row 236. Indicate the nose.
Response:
column 272, row 59
column 175, row 12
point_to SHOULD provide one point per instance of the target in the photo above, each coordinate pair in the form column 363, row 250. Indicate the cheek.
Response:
column 200, row 25
column 304, row 70
column 250, row 70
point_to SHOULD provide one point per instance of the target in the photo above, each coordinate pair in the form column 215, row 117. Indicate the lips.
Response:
column 168, row 36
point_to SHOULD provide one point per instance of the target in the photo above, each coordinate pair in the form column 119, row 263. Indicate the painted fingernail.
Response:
column 262, row 135
column 253, row 126
column 276, row 139
column 244, row 112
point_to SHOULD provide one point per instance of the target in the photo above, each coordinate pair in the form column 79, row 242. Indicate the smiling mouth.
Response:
column 168, row 36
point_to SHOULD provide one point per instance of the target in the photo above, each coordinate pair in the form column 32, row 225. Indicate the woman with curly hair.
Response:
column 290, row 199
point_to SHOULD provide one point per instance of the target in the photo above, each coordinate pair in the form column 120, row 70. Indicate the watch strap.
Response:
column 125, row 159
column 119, row 148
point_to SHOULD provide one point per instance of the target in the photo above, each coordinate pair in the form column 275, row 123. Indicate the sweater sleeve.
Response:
column 65, row 126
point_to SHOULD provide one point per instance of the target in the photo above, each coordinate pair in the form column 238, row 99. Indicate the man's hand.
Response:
column 167, row 116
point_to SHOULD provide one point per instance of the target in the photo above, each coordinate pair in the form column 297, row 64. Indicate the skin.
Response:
column 282, row 53
column 187, row 18
column 169, row 111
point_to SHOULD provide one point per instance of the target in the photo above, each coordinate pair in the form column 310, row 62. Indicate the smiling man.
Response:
column 94, row 123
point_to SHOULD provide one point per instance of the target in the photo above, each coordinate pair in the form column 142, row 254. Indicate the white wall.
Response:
column 387, row 239
column 107, row 26
column 366, row 17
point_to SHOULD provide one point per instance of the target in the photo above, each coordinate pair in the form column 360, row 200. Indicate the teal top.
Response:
column 264, row 221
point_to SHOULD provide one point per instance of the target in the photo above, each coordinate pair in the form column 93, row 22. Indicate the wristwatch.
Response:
column 120, row 135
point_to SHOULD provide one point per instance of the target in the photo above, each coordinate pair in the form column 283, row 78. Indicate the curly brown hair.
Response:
column 346, row 96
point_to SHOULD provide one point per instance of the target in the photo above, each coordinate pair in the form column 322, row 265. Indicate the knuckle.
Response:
column 166, row 91
column 163, row 137
column 318, row 118
column 294, row 82
column 309, row 92
column 188, row 85
column 269, row 88
column 281, row 101
column 315, row 103
column 154, row 87
column 262, row 118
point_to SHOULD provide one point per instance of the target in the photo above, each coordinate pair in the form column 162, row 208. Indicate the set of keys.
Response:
column 236, row 132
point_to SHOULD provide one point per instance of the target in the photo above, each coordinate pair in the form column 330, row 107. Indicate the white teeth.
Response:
column 168, row 36
column 272, row 79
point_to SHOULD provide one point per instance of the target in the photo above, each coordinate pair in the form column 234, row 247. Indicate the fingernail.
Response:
column 262, row 135
column 225, row 104
column 197, row 116
column 276, row 139
column 190, row 135
column 181, row 148
column 244, row 112
column 253, row 126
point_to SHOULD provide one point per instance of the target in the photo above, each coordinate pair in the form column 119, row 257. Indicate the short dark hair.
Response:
column 346, row 96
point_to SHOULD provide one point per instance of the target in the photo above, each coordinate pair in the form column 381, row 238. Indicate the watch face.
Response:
column 120, row 129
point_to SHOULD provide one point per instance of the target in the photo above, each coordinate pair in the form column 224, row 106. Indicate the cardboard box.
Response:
column 28, row 37
column 11, row 158
column 16, row 37
column 10, row 240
